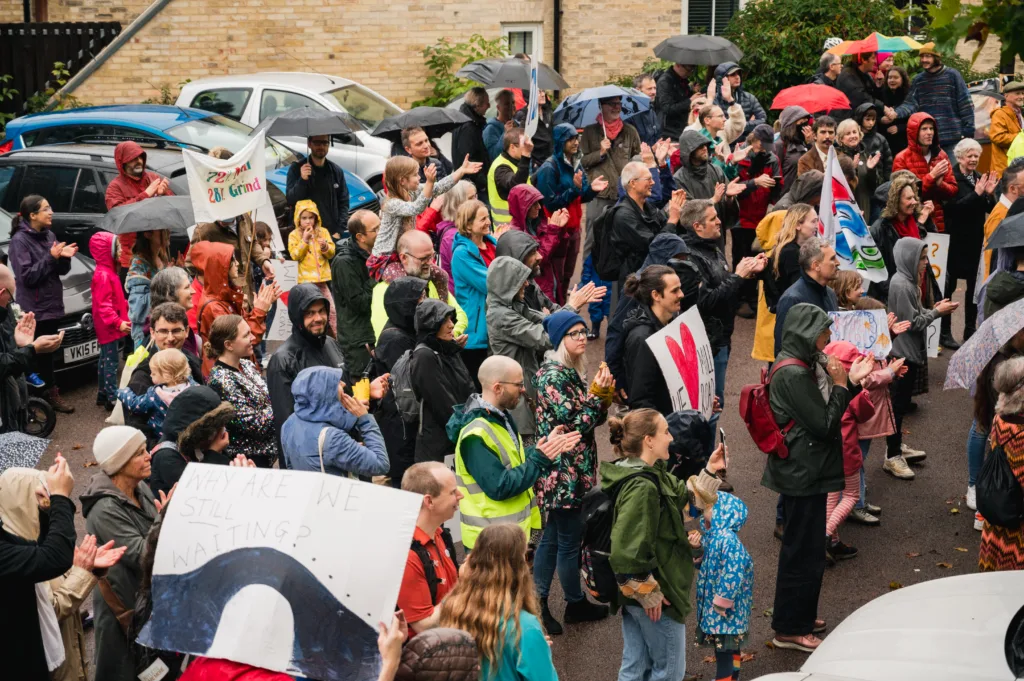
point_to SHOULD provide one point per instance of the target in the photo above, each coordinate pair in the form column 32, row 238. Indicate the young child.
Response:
column 264, row 246
column 725, row 585
column 109, row 312
column 171, row 375
column 312, row 247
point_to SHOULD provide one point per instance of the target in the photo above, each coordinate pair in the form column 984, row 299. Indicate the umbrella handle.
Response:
column 600, row 117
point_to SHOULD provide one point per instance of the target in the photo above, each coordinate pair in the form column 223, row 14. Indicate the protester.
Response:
column 263, row 248
column 440, row 379
column 118, row 505
column 814, row 397
column 702, row 179
column 651, row 553
column 1006, row 125
column 926, row 159
column 110, row 315
column 149, row 256
column 495, row 602
column 658, row 293
column 352, row 288
column 38, row 261
column 893, row 95
column 824, row 129
column 240, row 233
column 445, row 231
column 318, row 179
column 829, row 67
column 903, row 216
column 417, row 146
column 753, row 113
column 872, row 138
column 795, row 135
column 31, row 553
column 431, row 571
column 868, row 167
column 799, row 224
column 1006, row 285
column 757, row 172
column 239, row 382
column 312, row 247
column 468, row 139
column 473, row 251
column 133, row 184
column 818, row 267
column 939, row 91
column 171, row 375
column 646, row 122
column 856, row 83
column 528, row 216
column 496, row 473
column 722, row 132
column 672, row 103
column 510, row 169
column 505, row 106
column 634, row 222
column 172, row 285
column 195, row 429
column 565, row 399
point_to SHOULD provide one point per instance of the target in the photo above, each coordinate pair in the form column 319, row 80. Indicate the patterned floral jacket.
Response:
column 252, row 430
column 726, row 577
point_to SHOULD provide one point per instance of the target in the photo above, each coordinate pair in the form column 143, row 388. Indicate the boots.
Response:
column 584, row 611
column 551, row 625
column 57, row 402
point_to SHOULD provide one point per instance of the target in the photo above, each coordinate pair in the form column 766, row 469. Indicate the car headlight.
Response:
column 86, row 321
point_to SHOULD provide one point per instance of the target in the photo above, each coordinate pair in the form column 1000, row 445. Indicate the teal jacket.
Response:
column 470, row 274
column 525, row 659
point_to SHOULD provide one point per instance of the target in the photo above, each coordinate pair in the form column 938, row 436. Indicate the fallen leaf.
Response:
column 769, row 612
column 87, row 464
column 77, row 446
column 913, row 554
column 954, row 510
column 710, row 659
column 960, row 549
column 747, row 657
column 768, row 644
column 944, row 565
column 895, row 585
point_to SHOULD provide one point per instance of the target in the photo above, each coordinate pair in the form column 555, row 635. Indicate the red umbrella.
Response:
column 812, row 97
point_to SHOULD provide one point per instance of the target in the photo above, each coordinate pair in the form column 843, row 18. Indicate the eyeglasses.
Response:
column 518, row 384
column 577, row 335
column 176, row 331
column 423, row 258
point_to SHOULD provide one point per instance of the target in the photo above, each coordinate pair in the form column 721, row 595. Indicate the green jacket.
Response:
column 1005, row 288
column 352, row 288
column 648, row 533
column 815, row 462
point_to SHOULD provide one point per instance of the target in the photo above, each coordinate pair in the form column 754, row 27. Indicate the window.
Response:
column 230, row 103
column 6, row 175
column 708, row 17
column 89, row 196
column 218, row 131
column 525, row 38
column 64, row 134
column 362, row 104
column 56, row 183
column 276, row 102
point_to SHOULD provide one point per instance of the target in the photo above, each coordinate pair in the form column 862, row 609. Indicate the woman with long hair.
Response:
column 149, row 256
column 897, row 87
column 799, row 225
column 495, row 602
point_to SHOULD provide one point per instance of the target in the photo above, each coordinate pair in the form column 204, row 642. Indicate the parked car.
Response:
column 253, row 97
column 79, row 346
column 950, row 629
column 161, row 126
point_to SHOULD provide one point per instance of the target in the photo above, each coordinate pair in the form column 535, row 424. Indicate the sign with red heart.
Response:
column 684, row 356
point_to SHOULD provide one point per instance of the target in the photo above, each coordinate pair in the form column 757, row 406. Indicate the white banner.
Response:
column 225, row 188
column 286, row 570
column 868, row 330
column 843, row 226
column 684, row 356
column 532, row 110
column 938, row 255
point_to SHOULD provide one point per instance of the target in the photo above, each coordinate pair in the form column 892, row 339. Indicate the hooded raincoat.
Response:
column 874, row 141
column 749, row 103
column 556, row 179
column 699, row 180
column 194, row 418
column 125, row 189
column 788, row 150
column 913, row 159
column 319, row 417
column 352, row 289
column 314, row 261
column 471, row 288
column 905, row 302
column 550, row 238
column 521, row 246
column 109, row 306
column 726, row 576
column 240, row 237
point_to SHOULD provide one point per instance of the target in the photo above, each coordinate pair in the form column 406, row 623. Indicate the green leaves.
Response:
column 951, row 20
column 444, row 58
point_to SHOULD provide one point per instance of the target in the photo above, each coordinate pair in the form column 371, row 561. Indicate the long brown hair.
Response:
column 627, row 434
column 496, row 587
column 845, row 283
column 395, row 170
column 796, row 214
column 144, row 247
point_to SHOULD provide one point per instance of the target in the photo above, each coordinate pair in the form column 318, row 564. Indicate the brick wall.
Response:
column 11, row 11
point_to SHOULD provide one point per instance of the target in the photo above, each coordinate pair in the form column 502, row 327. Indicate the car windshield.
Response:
column 220, row 131
column 365, row 106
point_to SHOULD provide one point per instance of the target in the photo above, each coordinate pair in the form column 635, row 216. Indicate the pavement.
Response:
column 925, row 524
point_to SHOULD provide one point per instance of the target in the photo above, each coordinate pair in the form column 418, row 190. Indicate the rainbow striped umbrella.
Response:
column 876, row 42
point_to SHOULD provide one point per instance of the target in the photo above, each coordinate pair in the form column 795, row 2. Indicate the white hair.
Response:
column 562, row 355
column 633, row 171
column 455, row 197
column 965, row 145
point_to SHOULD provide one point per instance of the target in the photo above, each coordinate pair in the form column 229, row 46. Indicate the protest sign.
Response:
column 225, row 188
column 843, row 227
column 286, row 570
column 868, row 330
column 532, row 110
column 684, row 356
column 938, row 254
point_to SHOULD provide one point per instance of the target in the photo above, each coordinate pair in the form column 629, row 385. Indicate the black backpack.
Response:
column 1000, row 498
column 595, row 550
column 428, row 563
column 606, row 261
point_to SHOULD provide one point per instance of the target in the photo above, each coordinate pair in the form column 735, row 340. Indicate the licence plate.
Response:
column 77, row 353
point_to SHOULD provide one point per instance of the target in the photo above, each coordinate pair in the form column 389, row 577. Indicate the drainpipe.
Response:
column 26, row 10
column 558, row 37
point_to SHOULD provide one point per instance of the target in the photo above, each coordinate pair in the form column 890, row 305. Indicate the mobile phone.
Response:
column 721, row 434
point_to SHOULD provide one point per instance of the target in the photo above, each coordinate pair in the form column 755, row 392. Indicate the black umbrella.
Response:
column 511, row 73
column 434, row 120
column 160, row 212
column 307, row 122
column 697, row 49
column 1009, row 233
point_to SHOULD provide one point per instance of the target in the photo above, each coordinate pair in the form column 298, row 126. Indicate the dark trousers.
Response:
column 801, row 565
column 901, row 391
column 473, row 359
column 44, row 360
column 742, row 239
column 970, row 309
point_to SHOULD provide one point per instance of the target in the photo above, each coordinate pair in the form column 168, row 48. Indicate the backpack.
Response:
column 1000, row 498
column 428, row 563
column 598, row 512
column 409, row 406
column 606, row 261
column 756, row 412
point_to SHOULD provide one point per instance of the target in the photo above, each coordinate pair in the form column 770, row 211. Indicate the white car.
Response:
column 254, row 97
column 951, row 629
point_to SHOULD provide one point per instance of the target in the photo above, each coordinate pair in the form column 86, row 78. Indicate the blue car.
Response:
column 160, row 124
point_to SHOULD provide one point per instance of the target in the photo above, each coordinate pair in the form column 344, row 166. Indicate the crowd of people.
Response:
column 441, row 348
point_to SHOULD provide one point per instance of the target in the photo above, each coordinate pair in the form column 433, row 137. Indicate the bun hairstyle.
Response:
column 628, row 433
column 224, row 330
column 650, row 279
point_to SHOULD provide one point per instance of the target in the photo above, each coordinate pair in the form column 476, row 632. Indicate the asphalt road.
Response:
column 918, row 516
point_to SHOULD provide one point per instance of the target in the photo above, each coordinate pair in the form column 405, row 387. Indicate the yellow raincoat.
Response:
column 314, row 261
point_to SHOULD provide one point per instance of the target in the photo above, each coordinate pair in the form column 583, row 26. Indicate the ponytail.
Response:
column 30, row 204
column 650, row 279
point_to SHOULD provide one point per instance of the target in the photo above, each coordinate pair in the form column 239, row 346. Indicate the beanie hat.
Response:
column 765, row 133
column 114, row 446
column 559, row 323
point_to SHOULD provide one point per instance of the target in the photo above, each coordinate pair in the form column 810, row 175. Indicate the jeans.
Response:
column 977, row 443
column 721, row 363
column 560, row 547
column 865, row 447
column 652, row 651
column 801, row 565
column 598, row 311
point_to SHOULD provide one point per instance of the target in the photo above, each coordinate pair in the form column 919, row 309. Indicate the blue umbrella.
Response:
column 581, row 109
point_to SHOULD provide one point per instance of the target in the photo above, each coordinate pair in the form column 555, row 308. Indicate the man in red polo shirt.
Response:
column 424, row 585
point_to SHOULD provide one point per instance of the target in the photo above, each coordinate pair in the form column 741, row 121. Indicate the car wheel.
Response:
column 41, row 419
column 376, row 184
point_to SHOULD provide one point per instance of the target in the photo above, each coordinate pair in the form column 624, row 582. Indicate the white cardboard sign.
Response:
column 684, row 355
column 533, row 109
column 938, row 255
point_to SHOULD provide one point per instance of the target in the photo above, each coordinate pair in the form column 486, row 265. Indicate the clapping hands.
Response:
column 557, row 443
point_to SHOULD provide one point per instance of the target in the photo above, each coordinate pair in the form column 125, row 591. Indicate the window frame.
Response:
column 25, row 175
column 287, row 93
column 98, row 181
column 716, row 30
column 535, row 27
column 245, row 104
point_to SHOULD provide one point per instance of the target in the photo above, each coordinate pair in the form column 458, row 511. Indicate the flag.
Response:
column 532, row 111
column 225, row 188
column 843, row 227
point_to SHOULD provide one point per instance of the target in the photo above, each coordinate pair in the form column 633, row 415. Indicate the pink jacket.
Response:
column 882, row 423
column 109, row 306
column 549, row 237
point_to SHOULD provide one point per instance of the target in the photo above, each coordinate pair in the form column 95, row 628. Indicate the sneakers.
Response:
column 841, row 551
column 872, row 509
column 584, row 611
column 35, row 381
column 551, row 625
column 898, row 468
column 57, row 402
column 911, row 455
column 863, row 517
column 805, row 644
column 979, row 522
column 972, row 498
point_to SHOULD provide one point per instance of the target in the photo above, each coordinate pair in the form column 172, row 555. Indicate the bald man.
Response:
column 18, row 347
column 416, row 253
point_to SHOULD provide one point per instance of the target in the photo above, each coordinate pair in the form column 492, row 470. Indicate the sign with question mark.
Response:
column 938, row 254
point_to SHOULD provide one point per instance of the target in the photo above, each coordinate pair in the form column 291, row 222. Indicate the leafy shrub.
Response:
column 41, row 101
column 444, row 58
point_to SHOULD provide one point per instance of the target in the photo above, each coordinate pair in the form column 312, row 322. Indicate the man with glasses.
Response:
column 169, row 329
column 316, row 179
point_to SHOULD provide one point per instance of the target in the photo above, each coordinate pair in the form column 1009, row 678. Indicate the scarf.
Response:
column 611, row 130
column 53, row 644
column 906, row 228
